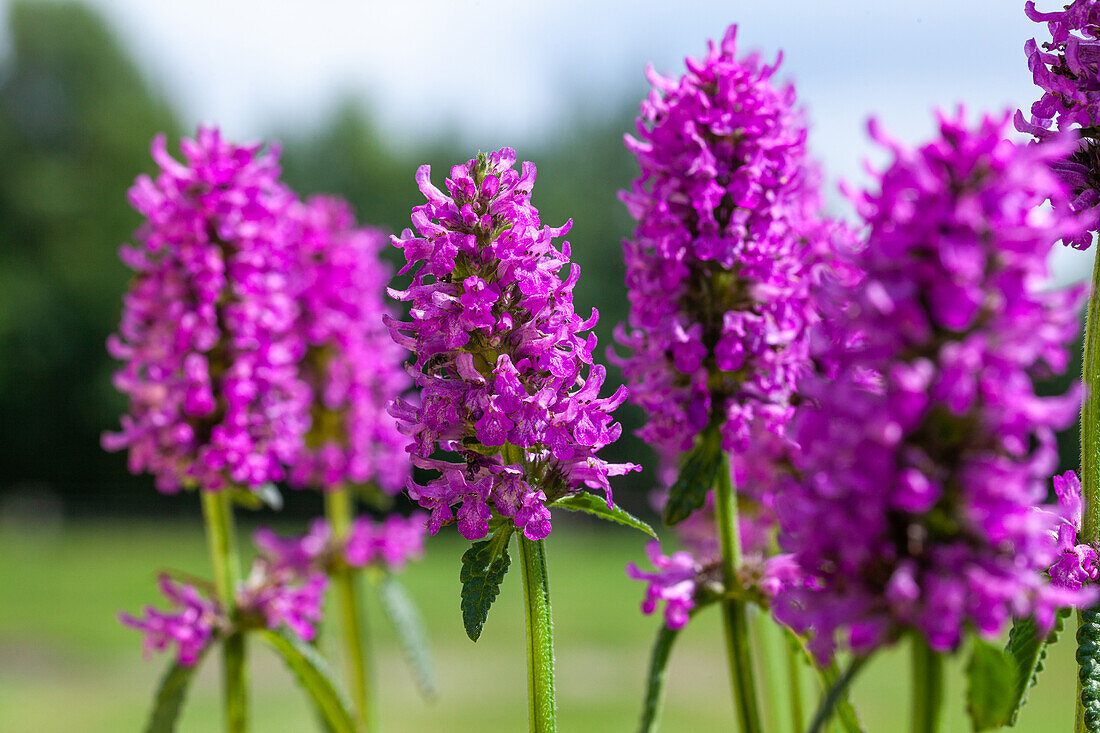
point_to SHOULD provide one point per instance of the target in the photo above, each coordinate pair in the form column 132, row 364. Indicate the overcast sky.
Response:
column 510, row 72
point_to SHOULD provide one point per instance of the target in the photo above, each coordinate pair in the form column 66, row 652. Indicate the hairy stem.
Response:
column 339, row 509
column 217, row 511
column 927, row 687
column 1090, row 438
column 542, row 707
column 734, row 618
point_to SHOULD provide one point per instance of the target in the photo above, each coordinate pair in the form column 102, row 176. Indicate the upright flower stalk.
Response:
column 1065, row 68
column 720, row 273
column 500, row 360
column 209, row 348
column 353, row 370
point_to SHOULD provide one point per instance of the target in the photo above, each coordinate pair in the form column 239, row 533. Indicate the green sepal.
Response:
column 582, row 501
column 264, row 495
column 698, row 473
column 313, row 674
column 1028, row 651
column 991, row 681
column 406, row 620
column 483, row 569
column 655, row 681
column 171, row 693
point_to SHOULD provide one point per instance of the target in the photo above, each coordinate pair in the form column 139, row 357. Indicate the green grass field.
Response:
column 67, row 665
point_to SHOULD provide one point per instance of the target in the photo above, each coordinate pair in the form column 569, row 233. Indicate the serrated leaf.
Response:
column 313, row 674
column 698, row 473
column 1029, row 650
column 483, row 569
column 655, row 681
column 591, row 504
column 403, row 614
column 170, row 696
column 991, row 680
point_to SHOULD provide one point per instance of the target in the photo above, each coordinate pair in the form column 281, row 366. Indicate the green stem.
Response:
column 836, row 692
column 927, row 687
column 540, row 638
column 794, row 684
column 733, row 610
column 217, row 511
column 340, row 512
column 1090, row 438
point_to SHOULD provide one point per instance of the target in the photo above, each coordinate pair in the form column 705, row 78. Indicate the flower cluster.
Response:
column 351, row 365
column 1065, row 68
column 207, row 331
column 500, row 355
column 390, row 543
column 190, row 626
column 922, row 468
column 1077, row 564
column 277, row 597
column 718, row 270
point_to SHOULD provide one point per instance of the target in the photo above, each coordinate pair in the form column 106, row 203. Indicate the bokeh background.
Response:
column 359, row 94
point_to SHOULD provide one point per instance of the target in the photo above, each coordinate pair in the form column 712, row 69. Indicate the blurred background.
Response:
column 359, row 94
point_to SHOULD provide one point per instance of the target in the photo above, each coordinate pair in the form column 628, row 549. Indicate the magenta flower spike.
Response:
column 501, row 359
column 190, row 626
column 924, row 465
column 207, row 335
column 718, row 271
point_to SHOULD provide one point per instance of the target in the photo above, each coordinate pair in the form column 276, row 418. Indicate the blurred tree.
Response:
column 76, row 117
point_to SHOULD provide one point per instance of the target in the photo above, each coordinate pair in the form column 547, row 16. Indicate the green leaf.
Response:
column 403, row 614
column 591, row 504
column 313, row 674
column 483, row 569
column 698, row 473
column 991, row 674
column 655, row 682
column 1029, row 650
column 266, row 494
column 170, row 696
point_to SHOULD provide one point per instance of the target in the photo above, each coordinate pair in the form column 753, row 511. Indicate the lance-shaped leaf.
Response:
column 313, row 674
column 991, row 680
column 403, row 614
column 698, row 473
column 483, row 569
column 168, row 703
column 655, row 682
column 588, row 503
column 1028, row 649
column 263, row 495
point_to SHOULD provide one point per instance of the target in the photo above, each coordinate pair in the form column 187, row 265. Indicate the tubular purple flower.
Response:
column 923, row 467
column 207, row 332
column 351, row 364
column 719, row 269
column 500, row 355
column 191, row 628
column 284, row 599
column 1077, row 563
column 1065, row 68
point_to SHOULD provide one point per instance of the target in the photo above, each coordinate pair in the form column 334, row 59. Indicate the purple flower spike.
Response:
column 190, row 628
column 924, row 465
column 720, row 268
column 503, row 363
column 207, row 332
column 1065, row 68
column 351, row 364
